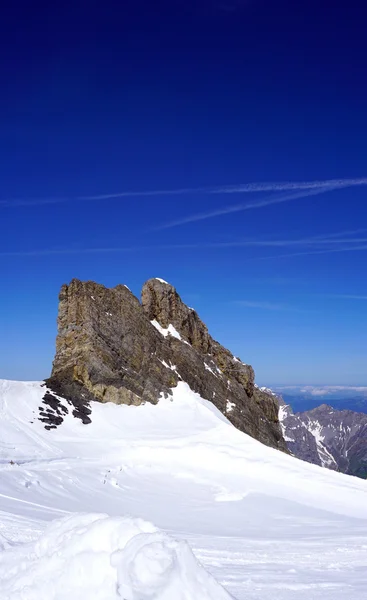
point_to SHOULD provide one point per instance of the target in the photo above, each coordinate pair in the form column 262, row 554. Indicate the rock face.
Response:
column 300, row 441
column 335, row 439
column 112, row 348
column 162, row 303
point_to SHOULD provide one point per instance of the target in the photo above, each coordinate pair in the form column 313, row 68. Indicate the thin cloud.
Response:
column 266, row 305
column 257, row 187
column 310, row 252
column 326, row 236
column 346, row 296
column 317, row 241
column 268, row 201
column 33, row 202
column 272, row 186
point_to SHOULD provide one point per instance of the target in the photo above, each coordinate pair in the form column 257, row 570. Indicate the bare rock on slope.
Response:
column 162, row 303
column 108, row 350
column 335, row 439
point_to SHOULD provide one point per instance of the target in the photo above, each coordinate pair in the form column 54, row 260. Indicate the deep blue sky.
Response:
column 131, row 96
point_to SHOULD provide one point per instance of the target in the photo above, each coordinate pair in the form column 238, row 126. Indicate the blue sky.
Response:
column 105, row 106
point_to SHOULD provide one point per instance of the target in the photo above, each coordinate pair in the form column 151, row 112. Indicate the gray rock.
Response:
column 336, row 439
column 108, row 350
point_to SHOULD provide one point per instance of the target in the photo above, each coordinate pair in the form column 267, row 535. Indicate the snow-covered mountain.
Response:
column 336, row 439
column 77, row 503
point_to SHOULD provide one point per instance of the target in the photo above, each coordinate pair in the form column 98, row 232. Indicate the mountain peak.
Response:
column 112, row 348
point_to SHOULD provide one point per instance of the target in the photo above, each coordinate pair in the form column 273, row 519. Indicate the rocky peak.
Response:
column 321, row 409
column 162, row 303
column 112, row 348
column 335, row 439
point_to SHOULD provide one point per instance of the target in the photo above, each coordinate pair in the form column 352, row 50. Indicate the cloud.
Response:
column 320, row 240
column 311, row 252
column 346, row 296
column 243, row 188
column 261, row 305
column 317, row 392
column 266, row 305
column 241, row 207
column 268, row 201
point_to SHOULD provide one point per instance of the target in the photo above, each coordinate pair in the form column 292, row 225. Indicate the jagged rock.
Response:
column 299, row 439
column 162, row 303
column 335, row 439
column 111, row 348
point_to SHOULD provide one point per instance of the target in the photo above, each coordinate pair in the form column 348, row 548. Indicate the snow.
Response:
column 100, row 557
column 283, row 412
column 208, row 368
column 161, row 280
column 263, row 523
column 230, row 406
column 235, row 359
column 315, row 428
column 267, row 390
column 170, row 330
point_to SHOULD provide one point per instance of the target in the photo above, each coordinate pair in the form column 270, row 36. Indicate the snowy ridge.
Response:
column 265, row 524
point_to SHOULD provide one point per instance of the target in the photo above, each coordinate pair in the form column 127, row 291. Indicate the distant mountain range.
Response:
column 335, row 439
column 307, row 397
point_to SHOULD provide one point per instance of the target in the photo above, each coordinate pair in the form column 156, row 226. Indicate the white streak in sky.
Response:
column 268, row 201
column 310, row 252
column 271, row 186
column 329, row 240
column 322, row 185
column 265, row 305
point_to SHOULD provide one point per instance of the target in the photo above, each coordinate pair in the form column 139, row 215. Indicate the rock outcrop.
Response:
column 112, row 348
column 335, row 439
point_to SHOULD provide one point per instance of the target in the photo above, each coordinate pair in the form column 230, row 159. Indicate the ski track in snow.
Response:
column 265, row 525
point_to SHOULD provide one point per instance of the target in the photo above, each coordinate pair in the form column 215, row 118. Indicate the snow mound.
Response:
column 96, row 557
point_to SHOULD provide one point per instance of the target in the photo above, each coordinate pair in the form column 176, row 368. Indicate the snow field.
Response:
column 101, row 558
column 265, row 525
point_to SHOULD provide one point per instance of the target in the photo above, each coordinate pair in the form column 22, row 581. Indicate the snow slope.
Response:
column 264, row 524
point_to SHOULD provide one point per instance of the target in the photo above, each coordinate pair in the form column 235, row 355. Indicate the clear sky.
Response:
column 129, row 97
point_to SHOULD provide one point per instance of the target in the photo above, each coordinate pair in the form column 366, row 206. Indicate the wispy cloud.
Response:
column 272, row 186
column 330, row 240
column 242, row 207
column 310, row 252
column 346, row 296
column 268, row 201
column 266, row 305
column 243, row 188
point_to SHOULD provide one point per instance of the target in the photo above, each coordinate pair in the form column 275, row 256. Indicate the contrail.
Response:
column 327, row 239
column 310, row 252
column 272, row 186
column 268, row 201
column 324, row 185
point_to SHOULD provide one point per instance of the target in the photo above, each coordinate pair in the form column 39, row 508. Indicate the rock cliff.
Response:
column 335, row 439
column 112, row 348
